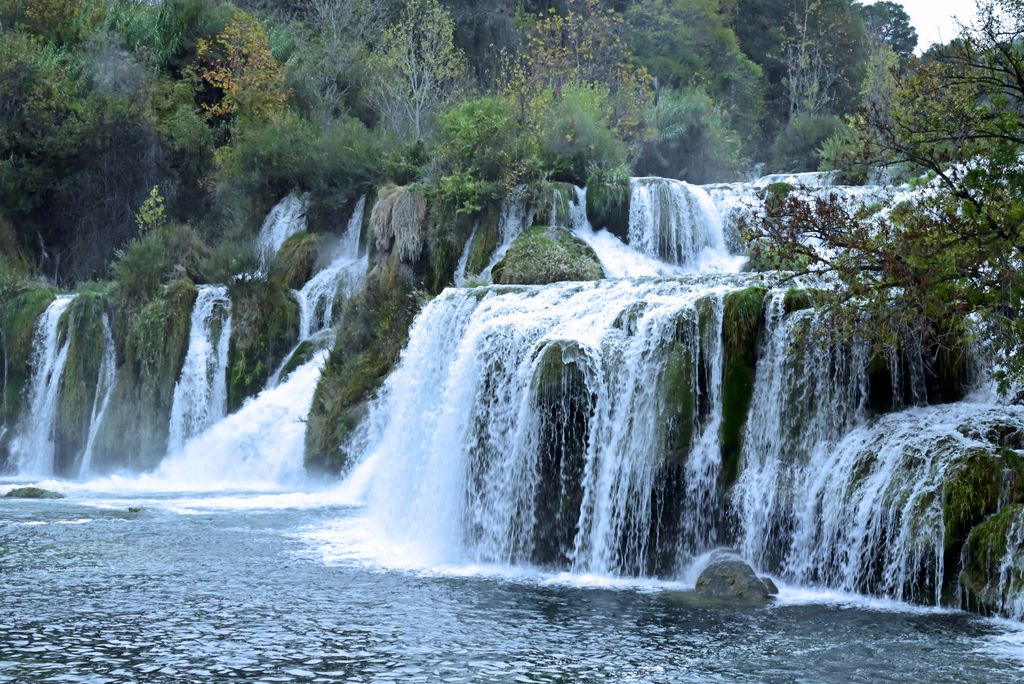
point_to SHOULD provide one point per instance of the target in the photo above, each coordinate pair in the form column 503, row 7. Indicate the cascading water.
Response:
column 201, row 395
column 287, row 218
column 345, row 273
column 617, row 259
column 258, row 447
column 556, row 430
column 678, row 223
column 516, row 216
column 101, row 399
column 34, row 444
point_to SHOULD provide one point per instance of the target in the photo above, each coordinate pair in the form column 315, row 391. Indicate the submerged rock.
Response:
column 32, row 493
column 729, row 576
column 542, row 256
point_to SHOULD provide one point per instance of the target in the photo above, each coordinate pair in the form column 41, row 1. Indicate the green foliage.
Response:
column 798, row 147
column 692, row 140
column 575, row 133
column 152, row 214
column 334, row 162
column 483, row 152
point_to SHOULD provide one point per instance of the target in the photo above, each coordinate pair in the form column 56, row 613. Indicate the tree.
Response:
column 888, row 23
column 824, row 55
column 418, row 69
column 239, row 67
column 952, row 258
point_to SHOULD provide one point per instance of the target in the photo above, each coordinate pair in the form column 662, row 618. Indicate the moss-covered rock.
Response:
column 741, row 326
column 32, row 493
column 373, row 328
column 551, row 203
column 295, row 263
column 151, row 342
column 542, row 255
column 485, row 240
column 975, row 490
column 82, row 324
column 680, row 405
column 264, row 328
column 779, row 191
column 608, row 200
column 985, row 589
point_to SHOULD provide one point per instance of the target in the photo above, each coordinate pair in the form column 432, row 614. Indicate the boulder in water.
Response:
column 32, row 493
column 769, row 584
column 543, row 255
column 729, row 576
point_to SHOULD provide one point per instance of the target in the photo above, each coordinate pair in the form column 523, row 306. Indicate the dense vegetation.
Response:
column 224, row 107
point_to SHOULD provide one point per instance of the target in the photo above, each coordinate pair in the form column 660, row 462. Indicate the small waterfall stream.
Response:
column 34, row 444
column 201, row 393
column 287, row 218
column 101, row 399
column 345, row 273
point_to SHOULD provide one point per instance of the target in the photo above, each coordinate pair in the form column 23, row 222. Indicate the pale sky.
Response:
column 933, row 19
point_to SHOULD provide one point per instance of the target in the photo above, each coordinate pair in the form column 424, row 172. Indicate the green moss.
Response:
column 152, row 342
column 608, row 200
column 542, row 255
column 264, row 328
column 295, row 262
column 485, row 241
column 680, row 406
column 983, row 554
column 798, row 299
column 299, row 357
column 32, row 493
column 779, row 191
column 740, row 337
column 975, row 491
column 18, row 320
column 374, row 326
column 552, row 201
column 82, row 323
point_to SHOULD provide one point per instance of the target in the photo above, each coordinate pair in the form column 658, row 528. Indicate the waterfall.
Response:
column 679, row 224
column 515, row 217
column 1009, row 589
column 287, row 218
column 258, row 447
column 201, row 393
column 617, row 259
column 34, row 444
column 551, row 425
column 805, row 397
column 346, row 272
column 101, row 398
column 460, row 268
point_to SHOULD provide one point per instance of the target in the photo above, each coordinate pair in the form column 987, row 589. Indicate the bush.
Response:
column 576, row 134
column 482, row 151
column 798, row 147
column 692, row 140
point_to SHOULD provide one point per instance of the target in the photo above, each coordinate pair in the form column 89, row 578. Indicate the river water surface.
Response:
column 290, row 587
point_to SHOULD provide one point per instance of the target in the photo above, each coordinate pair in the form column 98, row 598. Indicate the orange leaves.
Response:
column 238, row 65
